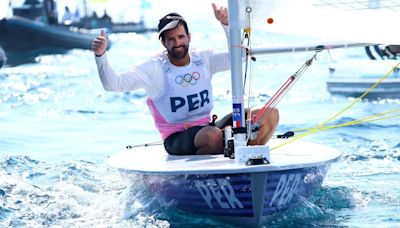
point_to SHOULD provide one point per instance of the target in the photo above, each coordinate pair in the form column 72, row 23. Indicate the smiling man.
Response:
column 178, row 85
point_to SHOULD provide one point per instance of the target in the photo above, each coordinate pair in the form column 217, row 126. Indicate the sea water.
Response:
column 58, row 127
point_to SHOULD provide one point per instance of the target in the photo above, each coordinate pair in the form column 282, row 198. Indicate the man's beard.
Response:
column 178, row 55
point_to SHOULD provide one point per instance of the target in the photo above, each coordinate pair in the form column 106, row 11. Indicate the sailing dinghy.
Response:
column 247, row 183
column 217, row 186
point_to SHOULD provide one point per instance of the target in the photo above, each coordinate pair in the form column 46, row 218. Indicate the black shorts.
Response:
column 182, row 143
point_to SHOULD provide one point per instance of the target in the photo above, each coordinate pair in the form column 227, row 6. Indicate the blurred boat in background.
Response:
column 353, row 77
column 36, row 28
column 34, row 10
column 23, row 39
column 21, row 34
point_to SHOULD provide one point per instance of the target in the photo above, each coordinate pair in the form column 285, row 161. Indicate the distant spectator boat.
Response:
column 21, row 34
column 112, row 27
column 34, row 10
column 352, row 78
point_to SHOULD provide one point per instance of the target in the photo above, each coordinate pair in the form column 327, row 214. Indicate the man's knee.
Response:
column 210, row 138
column 274, row 115
column 209, row 135
column 270, row 117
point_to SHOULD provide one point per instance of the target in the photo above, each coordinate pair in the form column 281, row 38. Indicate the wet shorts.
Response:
column 182, row 143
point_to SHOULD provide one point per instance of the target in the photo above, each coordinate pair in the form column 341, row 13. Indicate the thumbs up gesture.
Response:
column 99, row 44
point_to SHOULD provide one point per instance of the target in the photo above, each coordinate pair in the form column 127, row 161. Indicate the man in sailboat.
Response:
column 179, row 90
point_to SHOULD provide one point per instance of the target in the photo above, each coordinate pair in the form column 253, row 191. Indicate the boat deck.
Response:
column 154, row 159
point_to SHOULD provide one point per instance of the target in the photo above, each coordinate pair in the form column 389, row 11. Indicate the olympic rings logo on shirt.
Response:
column 187, row 79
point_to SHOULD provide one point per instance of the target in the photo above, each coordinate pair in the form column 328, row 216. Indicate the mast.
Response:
column 238, row 116
column 236, row 146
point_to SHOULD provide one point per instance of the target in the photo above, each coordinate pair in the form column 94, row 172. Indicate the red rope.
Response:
column 274, row 98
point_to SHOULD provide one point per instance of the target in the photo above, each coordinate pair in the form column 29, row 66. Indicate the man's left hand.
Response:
column 221, row 14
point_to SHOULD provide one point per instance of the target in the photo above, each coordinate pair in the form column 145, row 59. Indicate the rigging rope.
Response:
column 248, row 68
column 362, row 96
column 276, row 98
column 323, row 126
column 371, row 118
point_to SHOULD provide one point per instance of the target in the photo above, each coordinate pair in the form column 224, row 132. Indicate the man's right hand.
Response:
column 99, row 44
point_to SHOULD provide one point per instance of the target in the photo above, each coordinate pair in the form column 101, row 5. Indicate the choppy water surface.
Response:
column 58, row 126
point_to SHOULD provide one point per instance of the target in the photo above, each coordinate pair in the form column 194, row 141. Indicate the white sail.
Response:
column 368, row 21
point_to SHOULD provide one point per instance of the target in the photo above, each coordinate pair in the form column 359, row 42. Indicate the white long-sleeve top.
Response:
column 147, row 75
column 190, row 104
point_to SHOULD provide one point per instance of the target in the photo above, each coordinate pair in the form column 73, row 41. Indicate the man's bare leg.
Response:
column 209, row 141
